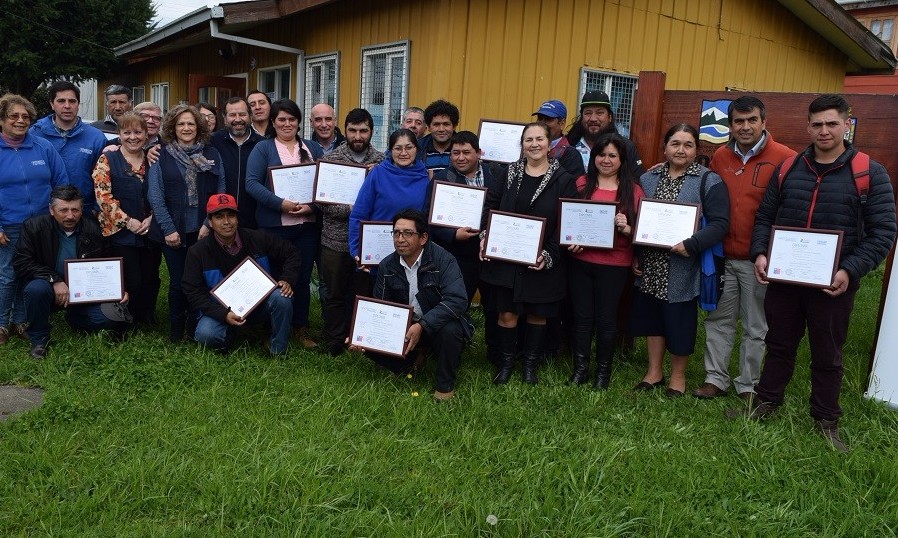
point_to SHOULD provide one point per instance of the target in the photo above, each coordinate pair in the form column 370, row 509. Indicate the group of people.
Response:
column 202, row 199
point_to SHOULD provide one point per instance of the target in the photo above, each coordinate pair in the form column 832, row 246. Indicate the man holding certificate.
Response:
column 212, row 260
column 422, row 274
column 817, row 191
column 47, row 241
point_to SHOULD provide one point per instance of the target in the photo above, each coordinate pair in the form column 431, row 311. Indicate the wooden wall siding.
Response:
column 501, row 58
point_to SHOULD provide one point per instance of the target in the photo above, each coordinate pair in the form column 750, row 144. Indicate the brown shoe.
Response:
column 708, row 391
column 4, row 335
column 20, row 330
column 302, row 334
column 746, row 396
column 443, row 396
column 756, row 410
column 829, row 429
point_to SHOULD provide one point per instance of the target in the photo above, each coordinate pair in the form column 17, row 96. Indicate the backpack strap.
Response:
column 785, row 168
column 860, row 170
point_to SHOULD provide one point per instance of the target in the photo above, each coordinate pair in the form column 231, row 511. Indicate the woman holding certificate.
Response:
column 294, row 221
column 125, row 215
column 179, row 184
column 665, row 306
column 597, row 277
column 531, row 187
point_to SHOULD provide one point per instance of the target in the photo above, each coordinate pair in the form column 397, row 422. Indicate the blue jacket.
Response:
column 79, row 150
column 167, row 193
column 27, row 175
column 265, row 154
column 387, row 190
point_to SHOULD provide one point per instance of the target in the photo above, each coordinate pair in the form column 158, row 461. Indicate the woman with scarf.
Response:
column 125, row 216
column 180, row 182
column 531, row 187
column 296, row 223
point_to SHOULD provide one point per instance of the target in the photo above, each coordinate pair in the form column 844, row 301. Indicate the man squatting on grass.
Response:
column 212, row 258
column 819, row 191
column 422, row 274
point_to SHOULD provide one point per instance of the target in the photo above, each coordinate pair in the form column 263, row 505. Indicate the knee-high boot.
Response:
column 508, row 340
column 533, row 351
column 581, row 343
column 604, row 354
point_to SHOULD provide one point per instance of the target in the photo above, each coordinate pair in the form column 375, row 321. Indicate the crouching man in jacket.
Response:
column 47, row 241
column 422, row 274
column 212, row 258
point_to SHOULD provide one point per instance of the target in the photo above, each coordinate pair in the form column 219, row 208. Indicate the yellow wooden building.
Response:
column 494, row 58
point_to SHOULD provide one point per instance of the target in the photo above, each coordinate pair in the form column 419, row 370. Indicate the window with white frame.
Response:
column 159, row 95
column 322, row 84
column 275, row 82
column 882, row 28
column 138, row 94
column 385, row 88
column 620, row 88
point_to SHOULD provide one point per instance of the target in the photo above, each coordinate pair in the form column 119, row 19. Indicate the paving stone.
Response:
column 15, row 400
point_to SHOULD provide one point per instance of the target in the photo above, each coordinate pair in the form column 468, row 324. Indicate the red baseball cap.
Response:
column 220, row 202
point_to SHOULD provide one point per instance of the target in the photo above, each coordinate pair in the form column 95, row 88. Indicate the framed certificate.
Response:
column 803, row 256
column 338, row 183
column 244, row 288
column 375, row 241
column 500, row 141
column 587, row 223
column 456, row 206
column 662, row 223
column 514, row 238
column 295, row 182
column 380, row 325
column 97, row 280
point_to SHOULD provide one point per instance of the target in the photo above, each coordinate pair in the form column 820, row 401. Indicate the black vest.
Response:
column 176, row 191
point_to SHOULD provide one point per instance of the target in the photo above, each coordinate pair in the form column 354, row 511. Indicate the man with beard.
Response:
column 234, row 143
column 323, row 119
column 336, row 267
column 597, row 118
column 260, row 109
column 441, row 118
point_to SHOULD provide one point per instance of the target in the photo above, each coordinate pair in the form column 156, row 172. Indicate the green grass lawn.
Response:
column 147, row 438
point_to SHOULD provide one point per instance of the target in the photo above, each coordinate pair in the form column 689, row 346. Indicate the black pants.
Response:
column 142, row 282
column 445, row 345
column 342, row 282
column 594, row 291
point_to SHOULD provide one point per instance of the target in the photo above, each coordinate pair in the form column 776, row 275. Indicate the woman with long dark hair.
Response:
column 597, row 277
column 665, row 307
column 294, row 222
column 180, row 182
column 532, row 187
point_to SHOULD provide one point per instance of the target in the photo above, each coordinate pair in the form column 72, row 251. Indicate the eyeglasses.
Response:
column 404, row 233
column 209, row 116
column 406, row 149
column 17, row 117
column 148, row 117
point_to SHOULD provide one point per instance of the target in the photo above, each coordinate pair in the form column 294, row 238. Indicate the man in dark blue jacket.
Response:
column 819, row 191
column 422, row 274
column 234, row 143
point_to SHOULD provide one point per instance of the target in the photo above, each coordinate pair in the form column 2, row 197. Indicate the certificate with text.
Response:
column 244, row 288
column 380, row 325
column 456, row 206
column 662, row 223
column 295, row 182
column 97, row 280
column 338, row 183
column 375, row 241
column 500, row 141
column 803, row 256
column 586, row 223
column 514, row 238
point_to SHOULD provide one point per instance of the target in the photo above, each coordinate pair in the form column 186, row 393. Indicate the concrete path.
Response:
column 15, row 400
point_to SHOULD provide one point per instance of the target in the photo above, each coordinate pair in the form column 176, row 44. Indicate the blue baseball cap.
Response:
column 552, row 109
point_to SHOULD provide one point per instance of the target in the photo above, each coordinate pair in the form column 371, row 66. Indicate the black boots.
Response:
column 604, row 354
column 580, row 348
column 508, row 341
column 533, row 351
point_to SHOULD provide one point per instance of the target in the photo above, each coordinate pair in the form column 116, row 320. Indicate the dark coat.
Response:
column 441, row 289
column 38, row 246
column 869, row 230
column 235, row 157
column 529, row 286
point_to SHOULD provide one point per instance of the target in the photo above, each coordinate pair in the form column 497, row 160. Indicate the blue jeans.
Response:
column 175, row 260
column 306, row 238
column 11, row 310
column 40, row 302
column 278, row 309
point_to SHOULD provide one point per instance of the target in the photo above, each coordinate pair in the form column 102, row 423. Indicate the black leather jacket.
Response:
column 38, row 246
